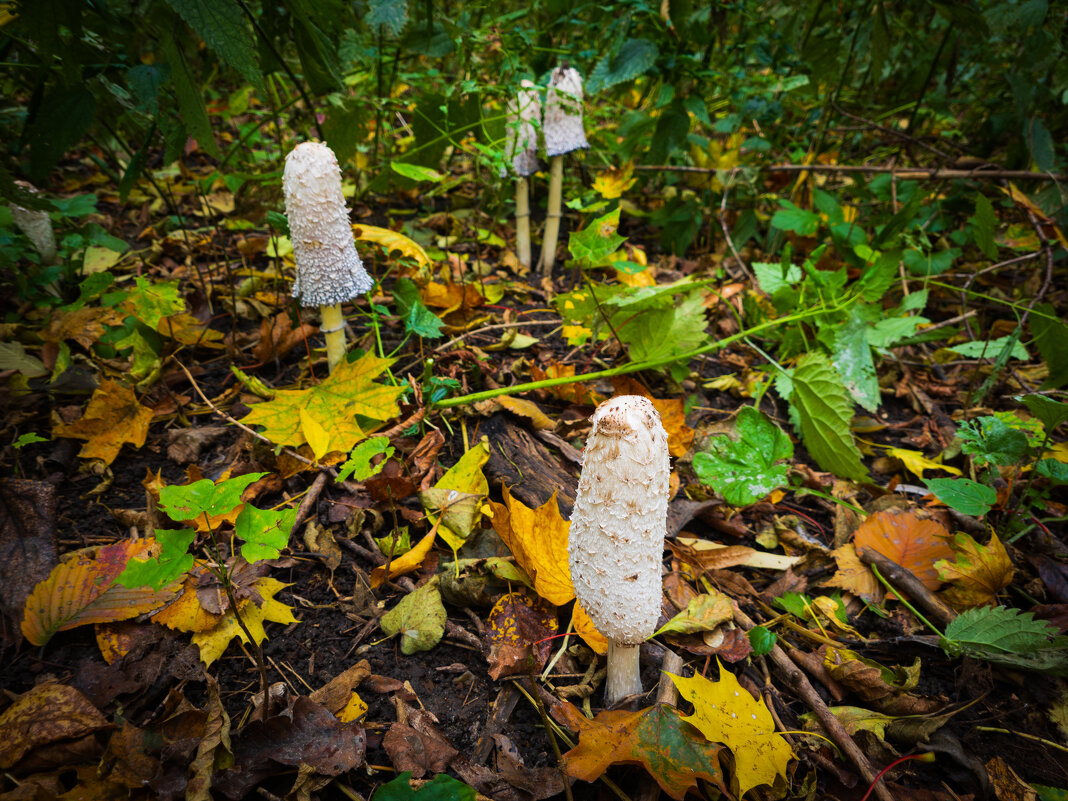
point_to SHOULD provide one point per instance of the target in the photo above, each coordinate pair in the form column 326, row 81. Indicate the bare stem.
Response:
column 522, row 220
column 334, row 328
column 624, row 673
column 552, row 218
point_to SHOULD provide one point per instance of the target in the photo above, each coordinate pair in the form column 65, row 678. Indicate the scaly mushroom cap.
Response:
column 563, row 113
column 521, row 147
column 619, row 520
column 37, row 226
column 329, row 270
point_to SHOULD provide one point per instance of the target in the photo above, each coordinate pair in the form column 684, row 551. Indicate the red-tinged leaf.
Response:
column 81, row 590
column 674, row 753
column 904, row 537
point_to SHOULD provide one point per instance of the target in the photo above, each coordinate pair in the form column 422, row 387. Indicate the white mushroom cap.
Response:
column 563, row 113
column 619, row 521
column 329, row 270
column 37, row 226
column 524, row 113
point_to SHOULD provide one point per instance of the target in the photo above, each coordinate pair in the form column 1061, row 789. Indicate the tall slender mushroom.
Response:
column 563, row 134
column 618, row 524
column 329, row 271
column 521, row 149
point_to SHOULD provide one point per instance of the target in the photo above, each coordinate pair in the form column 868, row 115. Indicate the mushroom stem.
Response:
column 333, row 325
column 624, row 672
column 552, row 218
column 522, row 220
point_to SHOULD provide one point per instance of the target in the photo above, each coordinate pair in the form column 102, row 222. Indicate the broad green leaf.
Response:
column 853, row 360
column 419, row 618
column 416, row 172
column 151, row 301
column 659, row 333
column 744, row 470
column 63, row 115
column 966, row 496
column 789, row 217
column 265, row 532
column 1052, row 469
column 1007, row 636
column 990, row 440
column 1051, row 339
column 1051, row 412
column 984, row 222
column 990, row 349
column 825, row 410
column 771, row 277
column 418, row 319
column 172, row 561
column 442, row 787
column 190, row 501
column 1041, row 142
column 591, row 246
column 392, row 15
column 635, row 56
column 762, row 640
column 222, row 26
column 358, row 466
column 190, row 99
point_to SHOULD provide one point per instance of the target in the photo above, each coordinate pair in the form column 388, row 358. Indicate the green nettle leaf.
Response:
column 635, row 56
column 591, row 246
column 1041, row 143
column 158, row 571
column 825, row 410
column 762, row 640
column 984, row 222
column 660, row 333
column 990, row 440
column 151, row 301
column 442, row 787
column 1051, row 339
column 744, row 470
column 792, row 218
column 992, row 348
column 63, row 116
column 966, row 496
column 1052, row 469
column 221, row 24
column 1052, row 413
column 190, row 501
column 418, row 319
column 265, row 531
column 419, row 618
column 190, row 100
column 1007, row 636
column 392, row 15
column 794, row 603
column 772, row 277
column 358, row 466
column 853, row 360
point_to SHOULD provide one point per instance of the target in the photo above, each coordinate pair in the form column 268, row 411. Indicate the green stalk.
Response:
column 635, row 366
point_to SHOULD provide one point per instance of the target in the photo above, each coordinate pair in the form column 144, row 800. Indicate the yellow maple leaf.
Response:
column 915, row 462
column 213, row 642
column 347, row 405
column 612, row 183
column 584, row 628
column 854, row 576
column 456, row 498
column 113, row 418
column 979, row 573
column 725, row 712
column 538, row 540
column 405, row 563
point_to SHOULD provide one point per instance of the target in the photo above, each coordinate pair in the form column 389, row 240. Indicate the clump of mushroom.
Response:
column 37, row 226
column 616, row 542
column 329, row 271
column 521, row 149
column 563, row 134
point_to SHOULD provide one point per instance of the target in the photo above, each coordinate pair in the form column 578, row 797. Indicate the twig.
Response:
column 800, row 684
column 906, row 581
column 900, row 173
column 309, row 500
column 727, row 234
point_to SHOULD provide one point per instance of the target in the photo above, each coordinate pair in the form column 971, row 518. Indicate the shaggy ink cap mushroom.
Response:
column 521, row 146
column 618, row 525
column 329, row 270
column 563, row 113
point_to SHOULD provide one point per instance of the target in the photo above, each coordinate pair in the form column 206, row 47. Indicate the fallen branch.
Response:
column 906, row 581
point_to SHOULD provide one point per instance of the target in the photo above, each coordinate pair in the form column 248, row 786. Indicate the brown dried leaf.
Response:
column 113, row 418
column 911, row 541
column 517, row 627
column 978, row 575
column 46, row 714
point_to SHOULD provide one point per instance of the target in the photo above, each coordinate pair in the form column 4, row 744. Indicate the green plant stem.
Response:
column 635, row 367
column 901, row 598
column 1047, row 743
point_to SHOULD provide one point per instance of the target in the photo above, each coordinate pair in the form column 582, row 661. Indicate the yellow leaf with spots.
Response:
column 915, row 462
column 611, row 184
column 725, row 712
column 392, row 242
column 464, row 487
column 113, row 418
column 979, row 573
column 406, row 563
column 355, row 709
column 213, row 642
column 537, row 539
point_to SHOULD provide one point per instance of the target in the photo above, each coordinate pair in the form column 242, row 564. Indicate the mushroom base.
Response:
column 552, row 218
column 522, row 220
column 333, row 326
column 624, row 673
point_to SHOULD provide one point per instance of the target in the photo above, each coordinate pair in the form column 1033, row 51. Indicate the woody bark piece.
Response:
column 525, row 465
column 903, row 579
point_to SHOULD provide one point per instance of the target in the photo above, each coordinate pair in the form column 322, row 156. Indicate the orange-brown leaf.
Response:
column 672, row 414
column 578, row 393
column 673, row 752
column 538, row 540
column 905, row 538
column 81, row 589
column 978, row 575
column 854, row 576
column 112, row 418
column 46, row 714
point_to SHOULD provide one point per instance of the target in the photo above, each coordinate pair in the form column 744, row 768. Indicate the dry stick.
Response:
column 800, row 684
column 905, row 580
column 900, row 173
column 309, row 500
column 727, row 234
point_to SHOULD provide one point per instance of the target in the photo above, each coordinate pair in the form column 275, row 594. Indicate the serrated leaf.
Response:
column 392, row 15
column 265, row 532
column 966, row 496
column 662, row 332
column 762, row 640
column 984, row 222
column 990, row 349
column 853, row 360
column 1051, row 339
column 825, row 410
column 992, row 440
column 418, row 319
column 191, row 501
column 591, row 246
column 112, row 418
column 81, row 590
column 673, row 753
column 172, row 561
column 1007, row 636
column 442, row 787
column 348, row 398
column 979, row 573
column 151, row 301
column 190, row 100
column 463, row 485
column 213, row 641
column 1051, row 412
column 744, row 470
column 419, row 618
column 790, row 217
column 725, row 712
column 358, row 466
column 635, row 56
column 221, row 24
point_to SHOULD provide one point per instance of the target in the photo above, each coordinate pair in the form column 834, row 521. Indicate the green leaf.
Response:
column 419, row 618
column 791, row 218
column 221, row 24
column 966, row 496
column 1051, row 339
column 190, row 100
column 442, row 787
column 416, row 172
column 853, row 360
column 771, row 277
column 990, row 440
column 418, row 319
column 704, row 612
column 27, row 439
column 151, row 301
column 991, row 348
column 984, row 222
column 392, row 15
column 157, row 572
column 635, row 56
column 1007, row 636
column 1052, row 469
column 591, row 246
column 62, row 118
column 190, row 501
column 825, row 410
column 794, row 603
column 762, row 640
column 1041, row 144
column 358, row 466
column 1052, row 413
column 744, row 470
column 660, row 333
column 265, row 531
